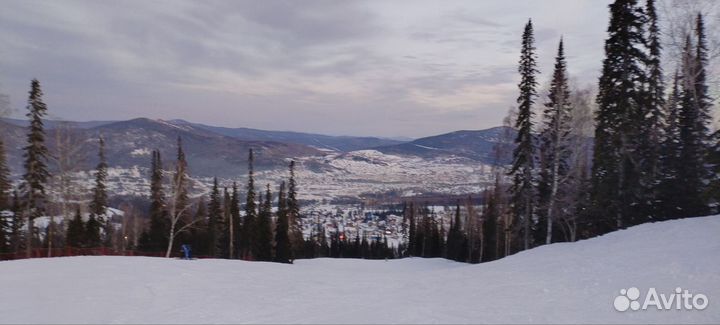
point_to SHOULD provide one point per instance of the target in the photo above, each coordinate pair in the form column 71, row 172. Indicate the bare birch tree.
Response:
column 67, row 158
column 574, row 199
column 678, row 21
column 179, row 204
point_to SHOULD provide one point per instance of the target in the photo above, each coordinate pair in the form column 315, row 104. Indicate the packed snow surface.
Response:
column 559, row 283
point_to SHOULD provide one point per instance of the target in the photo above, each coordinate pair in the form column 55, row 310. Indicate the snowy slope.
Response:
column 559, row 283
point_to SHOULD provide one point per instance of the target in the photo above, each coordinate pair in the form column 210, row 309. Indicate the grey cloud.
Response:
column 474, row 19
column 355, row 64
column 546, row 34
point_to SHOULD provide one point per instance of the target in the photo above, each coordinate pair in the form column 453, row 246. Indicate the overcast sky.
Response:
column 382, row 68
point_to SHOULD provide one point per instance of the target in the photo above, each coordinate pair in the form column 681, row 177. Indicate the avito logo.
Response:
column 679, row 299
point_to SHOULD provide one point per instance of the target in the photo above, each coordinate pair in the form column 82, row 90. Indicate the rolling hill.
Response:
column 477, row 145
column 334, row 143
column 452, row 163
column 129, row 143
column 327, row 142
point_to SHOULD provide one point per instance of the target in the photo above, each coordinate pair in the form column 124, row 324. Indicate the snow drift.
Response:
column 559, row 283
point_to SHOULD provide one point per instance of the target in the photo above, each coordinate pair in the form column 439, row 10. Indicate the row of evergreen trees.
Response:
column 471, row 237
column 8, row 202
column 652, row 147
column 217, row 228
column 30, row 200
column 427, row 236
column 653, row 157
column 340, row 246
column 549, row 173
column 97, row 230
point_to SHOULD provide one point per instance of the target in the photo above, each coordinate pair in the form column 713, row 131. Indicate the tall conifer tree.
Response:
column 523, row 164
column 412, row 231
column 180, row 182
column 5, row 201
column 490, row 227
column 228, row 246
column 294, row 218
column 214, row 221
column 456, row 241
column 16, row 233
column 156, row 238
column 670, row 154
column 694, row 118
column 75, row 235
column 652, row 125
column 199, row 233
column 554, row 146
column 92, row 232
column 5, row 185
column 248, row 227
column 282, row 240
column 235, row 230
column 36, row 173
column 262, row 244
column 621, row 108
column 99, row 202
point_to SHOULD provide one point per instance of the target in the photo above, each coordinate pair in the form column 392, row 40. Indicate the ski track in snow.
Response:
column 559, row 283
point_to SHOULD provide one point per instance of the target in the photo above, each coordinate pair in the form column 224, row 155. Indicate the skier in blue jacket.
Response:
column 187, row 252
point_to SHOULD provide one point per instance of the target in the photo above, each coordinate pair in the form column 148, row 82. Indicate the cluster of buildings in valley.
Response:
column 354, row 222
column 350, row 222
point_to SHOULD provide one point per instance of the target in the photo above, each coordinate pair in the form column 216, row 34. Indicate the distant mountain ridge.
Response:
column 52, row 124
column 335, row 143
column 219, row 151
column 327, row 142
column 129, row 143
column 473, row 144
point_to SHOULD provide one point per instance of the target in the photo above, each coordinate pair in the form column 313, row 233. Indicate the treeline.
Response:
column 222, row 227
column 472, row 234
column 654, row 157
column 265, row 227
column 29, row 200
column 225, row 228
column 340, row 246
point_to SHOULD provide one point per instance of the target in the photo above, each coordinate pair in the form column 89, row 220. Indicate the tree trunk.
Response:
column 620, row 184
column 51, row 229
column 529, row 209
column 232, row 237
column 526, row 224
column 171, row 239
column 553, row 197
column 29, row 236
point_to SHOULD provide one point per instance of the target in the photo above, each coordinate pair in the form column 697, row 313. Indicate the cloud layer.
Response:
column 386, row 68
